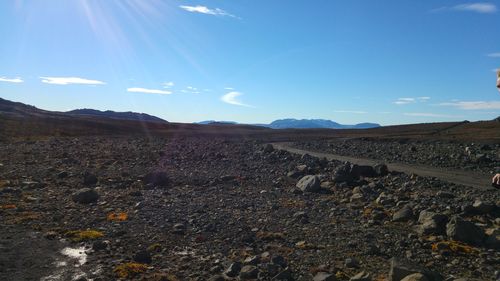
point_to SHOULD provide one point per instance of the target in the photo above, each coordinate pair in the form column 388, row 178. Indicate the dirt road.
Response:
column 466, row 178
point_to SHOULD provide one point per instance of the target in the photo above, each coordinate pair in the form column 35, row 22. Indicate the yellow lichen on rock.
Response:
column 117, row 216
column 129, row 270
column 453, row 246
column 84, row 235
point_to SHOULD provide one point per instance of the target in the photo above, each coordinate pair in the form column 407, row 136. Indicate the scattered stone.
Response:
column 89, row 179
column 351, row 263
column 309, row 184
column 249, row 272
column 142, row 257
column 432, row 223
column 415, row 277
column 362, row 276
column 85, row 196
column 233, row 270
column 403, row 215
column 401, row 268
column 324, row 276
column 157, row 178
column 464, row 231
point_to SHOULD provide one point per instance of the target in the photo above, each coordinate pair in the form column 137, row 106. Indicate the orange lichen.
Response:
column 292, row 203
column 117, row 216
column 84, row 235
column 269, row 236
column 8, row 207
column 453, row 246
column 129, row 270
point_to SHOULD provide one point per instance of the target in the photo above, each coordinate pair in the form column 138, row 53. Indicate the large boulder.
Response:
column 401, row 268
column 309, row 184
column 464, row 231
column 431, row 223
column 85, row 196
column 403, row 215
column 157, row 178
column 358, row 171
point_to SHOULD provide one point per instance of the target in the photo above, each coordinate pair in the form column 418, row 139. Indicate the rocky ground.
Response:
column 458, row 155
column 208, row 209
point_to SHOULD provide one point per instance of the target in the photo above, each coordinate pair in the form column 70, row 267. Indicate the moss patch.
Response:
column 129, row 270
column 84, row 235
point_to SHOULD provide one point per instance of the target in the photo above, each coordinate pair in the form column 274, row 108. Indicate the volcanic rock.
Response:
column 309, row 184
column 464, row 231
column 85, row 196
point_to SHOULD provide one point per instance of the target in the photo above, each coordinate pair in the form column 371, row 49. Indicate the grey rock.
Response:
column 309, row 184
column 401, row 268
column 403, row 215
column 362, row 276
column 482, row 208
column 233, row 270
column 464, row 231
column 415, row 277
column 142, row 257
column 85, row 196
column 89, row 179
column 249, row 272
column 432, row 223
column 324, row 276
column 351, row 263
column 381, row 170
column 284, row 275
column 157, row 178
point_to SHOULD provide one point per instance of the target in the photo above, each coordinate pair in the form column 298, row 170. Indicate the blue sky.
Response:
column 254, row 61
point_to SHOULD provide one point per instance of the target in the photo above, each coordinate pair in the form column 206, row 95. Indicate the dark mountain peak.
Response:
column 129, row 115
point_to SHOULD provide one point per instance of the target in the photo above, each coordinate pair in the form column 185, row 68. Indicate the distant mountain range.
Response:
column 116, row 115
column 21, row 109
column 302, row 124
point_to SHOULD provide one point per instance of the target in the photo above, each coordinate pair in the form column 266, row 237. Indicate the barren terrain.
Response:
column 85, row 198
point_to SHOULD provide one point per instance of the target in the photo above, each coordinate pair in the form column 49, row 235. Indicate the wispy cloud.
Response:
column 232, row 98
column 473, row 105
column 493, row 55
column 476, row 7
column 425, row 114
column 191, row 90
column 70, row 80
column 402, row 101
column 168, row 84
column 207, row 11
column 148, row 91
column 350, row 111
column 11, row 80
column 480, row 7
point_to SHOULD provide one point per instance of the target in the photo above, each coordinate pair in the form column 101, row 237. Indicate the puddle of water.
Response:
column 68, row 265
column 76, row 253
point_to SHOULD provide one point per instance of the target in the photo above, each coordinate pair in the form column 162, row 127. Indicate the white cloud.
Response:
column 404, row 101
column 11, row 80
column 191, row 90
column 494, row 55
column 168, row 84
column 232, row 98
column 148, row 91
column 70, row 80
column 473, row 105
column 401, row 101
column 350, row 111
column 207, row 11
column 424, row 114
column 479, row 7
column 229, row 88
